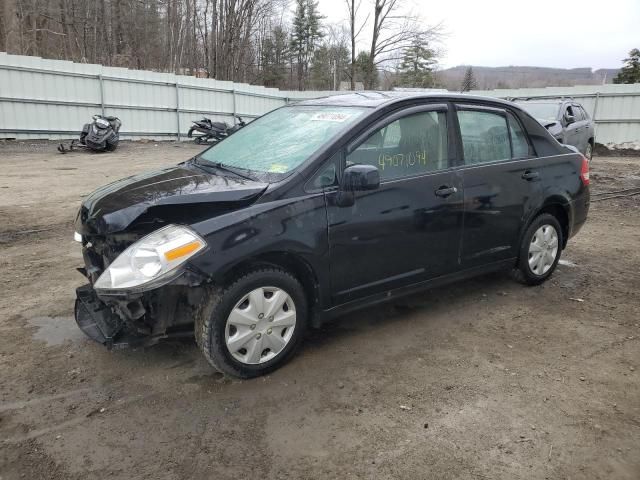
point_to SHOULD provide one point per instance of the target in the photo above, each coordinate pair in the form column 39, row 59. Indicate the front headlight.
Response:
column 151, row 258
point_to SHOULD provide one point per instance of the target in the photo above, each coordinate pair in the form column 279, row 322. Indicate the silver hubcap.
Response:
column 543, row 249
column 260, row 325
column 589, row 150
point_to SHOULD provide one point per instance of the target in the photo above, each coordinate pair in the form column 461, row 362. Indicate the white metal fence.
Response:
column 52, row 99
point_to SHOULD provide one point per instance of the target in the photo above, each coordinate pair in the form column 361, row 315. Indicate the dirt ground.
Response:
column 482, row 379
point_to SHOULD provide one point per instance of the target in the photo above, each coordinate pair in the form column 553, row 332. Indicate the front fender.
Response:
column 294, row 225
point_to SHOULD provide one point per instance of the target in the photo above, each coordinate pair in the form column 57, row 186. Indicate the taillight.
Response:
column 584, row 171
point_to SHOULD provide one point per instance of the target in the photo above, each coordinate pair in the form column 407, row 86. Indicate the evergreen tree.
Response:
column 275, row 51
column 469, row 81
column 307, row 32
column 366, row 72
column 630, row 73
column 298, row 38
column 329, row 63
column 417, row 65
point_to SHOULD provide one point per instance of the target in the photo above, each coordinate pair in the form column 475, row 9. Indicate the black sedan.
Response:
column 319, row 208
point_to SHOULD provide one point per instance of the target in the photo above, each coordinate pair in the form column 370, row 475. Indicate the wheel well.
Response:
column 592, row 142
column 293, row 264
column 558, row 211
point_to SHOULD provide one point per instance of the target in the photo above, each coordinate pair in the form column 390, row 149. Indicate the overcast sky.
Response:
column 565, row 34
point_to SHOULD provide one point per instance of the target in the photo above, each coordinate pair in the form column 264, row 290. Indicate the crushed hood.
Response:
column 179, row 194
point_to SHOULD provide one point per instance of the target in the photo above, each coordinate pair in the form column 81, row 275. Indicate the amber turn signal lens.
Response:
column 182, row 250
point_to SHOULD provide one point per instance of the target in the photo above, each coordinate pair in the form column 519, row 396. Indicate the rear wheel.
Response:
column 540, row 250
column 589, row 151
column 255, row 325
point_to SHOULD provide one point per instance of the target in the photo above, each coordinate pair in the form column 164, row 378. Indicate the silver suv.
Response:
column 565, row 119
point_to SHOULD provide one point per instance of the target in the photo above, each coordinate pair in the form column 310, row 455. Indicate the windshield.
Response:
column 280, row 141
column 543, row 112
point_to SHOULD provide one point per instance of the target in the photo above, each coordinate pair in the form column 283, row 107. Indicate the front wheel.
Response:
column 253, row 326
column 540, row 250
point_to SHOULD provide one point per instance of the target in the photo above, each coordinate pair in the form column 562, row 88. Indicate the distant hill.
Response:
column 520, row 77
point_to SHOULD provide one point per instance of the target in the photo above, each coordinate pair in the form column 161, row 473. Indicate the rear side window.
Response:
column 577, row 111
column 490, row 137
column 519, row 142
column 409, row 146
column 485, row 136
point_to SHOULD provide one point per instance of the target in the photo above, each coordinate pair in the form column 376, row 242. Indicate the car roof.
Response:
column 553, row 101
column 375, row 99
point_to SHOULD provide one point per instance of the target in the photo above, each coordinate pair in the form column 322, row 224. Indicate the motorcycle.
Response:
column 101, row 135
column 213, row 132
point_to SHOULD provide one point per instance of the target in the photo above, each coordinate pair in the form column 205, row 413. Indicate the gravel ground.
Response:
column 482, row 379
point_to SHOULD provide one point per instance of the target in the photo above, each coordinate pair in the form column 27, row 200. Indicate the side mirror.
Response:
column 569, row 119
column 357, row 178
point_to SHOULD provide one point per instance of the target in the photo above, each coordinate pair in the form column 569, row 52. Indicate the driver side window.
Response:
column 409, row 146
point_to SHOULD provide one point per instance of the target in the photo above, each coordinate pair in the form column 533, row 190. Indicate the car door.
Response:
column 501, row 183
column 572, row 129
column 580, row 128
column 409, row 229
column 585, row 130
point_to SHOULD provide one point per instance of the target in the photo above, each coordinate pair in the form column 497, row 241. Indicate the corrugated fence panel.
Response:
column 146, row 122
column 205, row 101
column 42, row 98
column 42, row 121
column 139, row 94
column 251, row 105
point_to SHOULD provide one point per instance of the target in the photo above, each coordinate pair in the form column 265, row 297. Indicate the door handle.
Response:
column 529, row 175
column 445, row 191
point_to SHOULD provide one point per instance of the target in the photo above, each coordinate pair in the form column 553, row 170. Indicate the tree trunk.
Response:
column 9, row 28
column 353, row 44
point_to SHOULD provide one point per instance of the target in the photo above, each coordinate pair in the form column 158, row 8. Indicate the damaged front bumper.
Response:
column 97, row 321
column 135, row 319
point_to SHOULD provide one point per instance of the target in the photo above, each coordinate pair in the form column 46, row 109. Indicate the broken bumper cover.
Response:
column 130, row 319
column 98, row 322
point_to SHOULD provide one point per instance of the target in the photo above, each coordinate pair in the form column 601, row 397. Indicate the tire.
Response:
column 112, row 143
column 215, row 330
column 589, row 151
column 534, row 269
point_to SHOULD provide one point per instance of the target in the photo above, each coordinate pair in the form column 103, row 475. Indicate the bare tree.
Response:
column 352, row 7
column 392, row 33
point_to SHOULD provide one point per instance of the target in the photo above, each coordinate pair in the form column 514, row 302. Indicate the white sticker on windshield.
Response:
column 330, row 117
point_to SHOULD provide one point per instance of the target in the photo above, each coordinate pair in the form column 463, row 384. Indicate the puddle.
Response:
column 56, row 330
